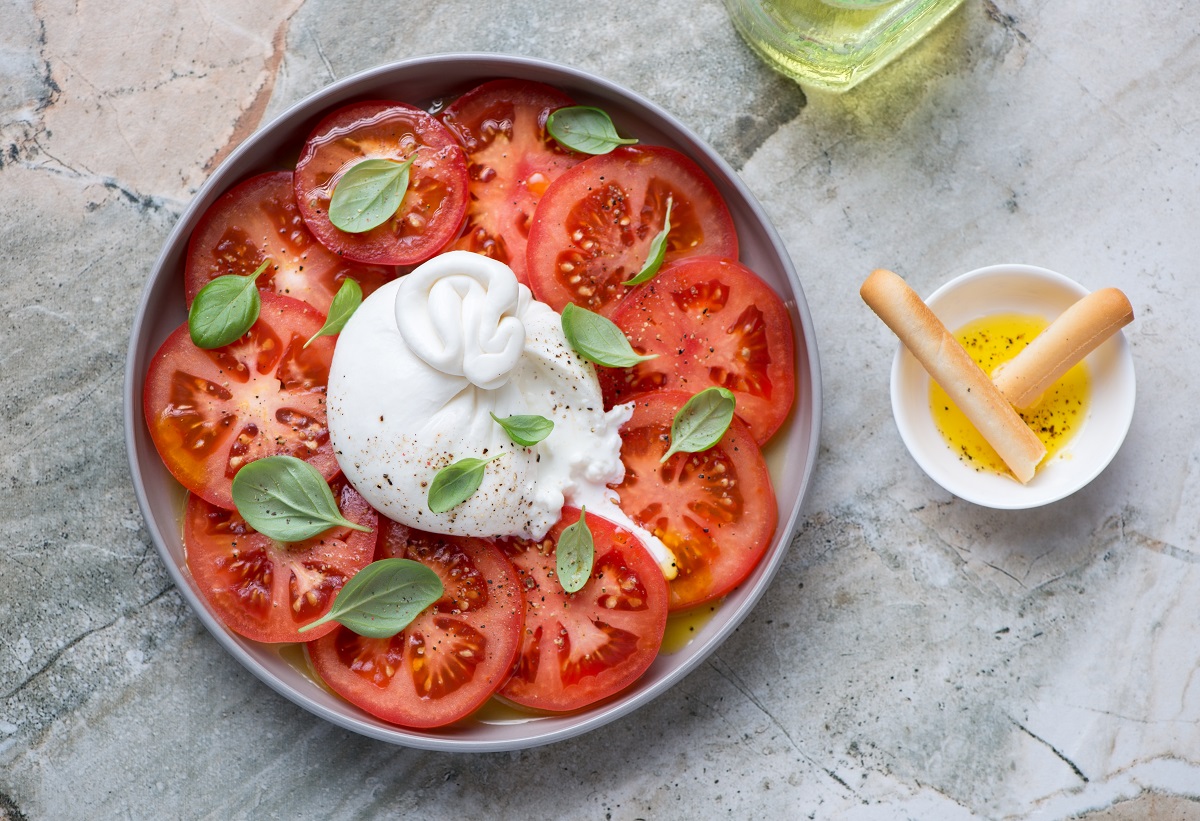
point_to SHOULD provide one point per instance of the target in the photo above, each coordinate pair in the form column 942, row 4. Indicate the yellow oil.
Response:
column 1056, row 417
column 683, row 626
column 834, row 45
column 498, row 711
column 296, row 656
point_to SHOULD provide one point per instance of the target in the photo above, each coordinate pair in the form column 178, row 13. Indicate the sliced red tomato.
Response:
column 257, row 220
column 434, row 205
column 453, row 656
column 712, row 322
column 594, row 226
column 511, row 160
column 267, row 590
column 212, row 411
column 581, row 647
column 715, row 510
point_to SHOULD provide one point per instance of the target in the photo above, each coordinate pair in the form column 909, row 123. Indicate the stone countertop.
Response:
column 916, row 657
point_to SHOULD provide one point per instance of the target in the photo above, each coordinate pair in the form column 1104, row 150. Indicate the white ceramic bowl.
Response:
column 1023, row 289
column 424, row 81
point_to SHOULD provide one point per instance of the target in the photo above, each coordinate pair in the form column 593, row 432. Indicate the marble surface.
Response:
column 916, row 657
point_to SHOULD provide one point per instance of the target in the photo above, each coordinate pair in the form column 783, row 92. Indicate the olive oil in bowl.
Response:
column 1055, row 418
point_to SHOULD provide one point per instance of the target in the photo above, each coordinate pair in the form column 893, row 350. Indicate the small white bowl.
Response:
column 1023, row 289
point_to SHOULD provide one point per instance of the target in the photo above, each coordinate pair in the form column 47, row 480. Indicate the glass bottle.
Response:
column 834, row 44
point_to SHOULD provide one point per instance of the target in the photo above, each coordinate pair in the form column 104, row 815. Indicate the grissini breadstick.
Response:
column 952, row 367
column 1076, row 333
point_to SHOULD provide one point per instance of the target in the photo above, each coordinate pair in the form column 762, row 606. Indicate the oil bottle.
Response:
column 834, row 44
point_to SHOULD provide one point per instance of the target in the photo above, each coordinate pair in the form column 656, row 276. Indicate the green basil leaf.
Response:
column 658, row 250
column 345, row 303
column 225, row 309
column 383, row 598
column 286, row 499
column 526, row 431
column 367, row 195
column 456, row 482
column 574, row 554
column 597, row 339
column 584, row 128
column 701, row 422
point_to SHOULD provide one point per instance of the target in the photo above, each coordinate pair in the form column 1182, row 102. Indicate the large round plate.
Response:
column 425, row 81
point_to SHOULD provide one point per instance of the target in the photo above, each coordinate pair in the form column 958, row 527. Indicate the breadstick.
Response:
column 1076, row 333
column 952, row 367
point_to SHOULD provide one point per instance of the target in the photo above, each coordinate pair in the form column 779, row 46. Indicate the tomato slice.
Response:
column 258, row 219
column 712, row 322
column 581, row 647
column 267, row 590
column 594, row 226
column 511, row 161
column 715, row 509
column 434, row 205
column 212, row 411
column 453, row 656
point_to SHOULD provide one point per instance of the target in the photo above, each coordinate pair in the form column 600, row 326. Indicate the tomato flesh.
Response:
column 256, row 220
column 511, row 161
column 581, row 647
column 595, row 224
column 266, row 590
column 434, row 204
column 711, row 322
column 453, row 656
column 212, row 411
column 715, row 510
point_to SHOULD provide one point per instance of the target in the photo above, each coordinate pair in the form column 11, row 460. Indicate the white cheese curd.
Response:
column 418, row 371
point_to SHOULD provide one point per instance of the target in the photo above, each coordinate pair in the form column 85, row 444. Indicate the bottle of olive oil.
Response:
column 834, row 44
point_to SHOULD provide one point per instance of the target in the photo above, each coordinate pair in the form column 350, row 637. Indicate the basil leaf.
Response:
column 597, row 339
column 286, row 499
column 584, row 128
column 456, row 482
column 345, row 303
column 701, row 422
column 225, row 309
column 658, row 250
column 369, row 194
column 574, row 555
column 525, row 430
column 383, row 598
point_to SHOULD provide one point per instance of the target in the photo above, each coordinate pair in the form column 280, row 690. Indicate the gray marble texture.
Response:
column 917, row 656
